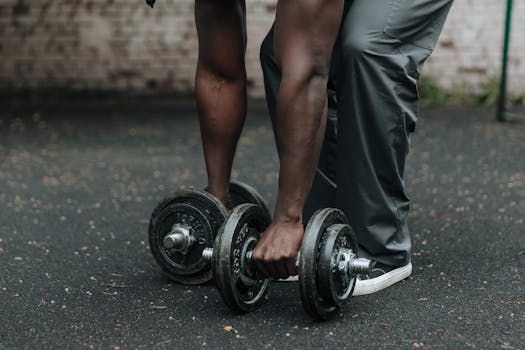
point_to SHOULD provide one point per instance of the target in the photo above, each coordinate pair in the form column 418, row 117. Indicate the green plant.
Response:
column 432, row 94
column 519, row 99
column 489, row 93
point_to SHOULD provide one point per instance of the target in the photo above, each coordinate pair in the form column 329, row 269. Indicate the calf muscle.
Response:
column 220, row 85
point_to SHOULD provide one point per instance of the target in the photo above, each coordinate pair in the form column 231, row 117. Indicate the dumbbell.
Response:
column 184, row 224
column 327, row 261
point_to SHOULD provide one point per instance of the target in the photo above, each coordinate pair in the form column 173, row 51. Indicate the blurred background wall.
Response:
column 125, row 45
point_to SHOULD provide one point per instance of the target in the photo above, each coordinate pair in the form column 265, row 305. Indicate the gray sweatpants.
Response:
column 372, row 109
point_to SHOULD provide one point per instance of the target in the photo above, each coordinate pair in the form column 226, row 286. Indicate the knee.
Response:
column 226, row 66
column 221, row 72
column 355, row 46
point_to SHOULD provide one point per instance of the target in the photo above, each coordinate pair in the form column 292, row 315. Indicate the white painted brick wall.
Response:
column 470, row 49
column 123, row 44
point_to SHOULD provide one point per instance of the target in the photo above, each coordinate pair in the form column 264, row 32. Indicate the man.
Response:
column 369, row 53
column 373, row 107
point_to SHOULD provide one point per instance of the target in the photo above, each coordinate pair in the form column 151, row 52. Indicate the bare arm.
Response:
column 305, row 32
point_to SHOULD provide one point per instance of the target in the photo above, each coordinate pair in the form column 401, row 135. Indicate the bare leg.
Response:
column 220, row 85
column 305, row 32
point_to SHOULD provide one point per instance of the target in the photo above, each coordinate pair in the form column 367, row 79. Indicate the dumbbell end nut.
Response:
column 207, row 254
column 361, row 266
column 175, row 240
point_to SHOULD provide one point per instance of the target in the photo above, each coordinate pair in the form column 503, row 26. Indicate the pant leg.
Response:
column 324, row 187
column 383, row 45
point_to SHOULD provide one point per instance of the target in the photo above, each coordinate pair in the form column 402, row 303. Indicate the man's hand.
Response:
column 276, row 251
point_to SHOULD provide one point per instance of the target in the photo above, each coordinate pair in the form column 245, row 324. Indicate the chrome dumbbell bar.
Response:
column 348, row 263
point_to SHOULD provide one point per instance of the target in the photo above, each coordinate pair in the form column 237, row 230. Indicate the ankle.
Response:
column 221, row 195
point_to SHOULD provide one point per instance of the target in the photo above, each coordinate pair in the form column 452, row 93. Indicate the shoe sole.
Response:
column 373, row 285
column 289, row 279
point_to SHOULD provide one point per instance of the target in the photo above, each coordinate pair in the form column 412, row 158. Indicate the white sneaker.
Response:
column 381, row 277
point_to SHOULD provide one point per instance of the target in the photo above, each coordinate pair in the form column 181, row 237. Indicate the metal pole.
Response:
column 501, row 113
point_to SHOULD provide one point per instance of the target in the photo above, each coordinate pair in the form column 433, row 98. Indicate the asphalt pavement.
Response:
column 77, row 186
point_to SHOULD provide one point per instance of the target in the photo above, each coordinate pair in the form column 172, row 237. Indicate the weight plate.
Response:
column 337, row 249
column 315, row 235
column 241, row 193
column 205, row 202
column 199, row 212
column 234, row 273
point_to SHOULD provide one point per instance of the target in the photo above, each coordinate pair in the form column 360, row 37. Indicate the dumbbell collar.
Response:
column 179, row 239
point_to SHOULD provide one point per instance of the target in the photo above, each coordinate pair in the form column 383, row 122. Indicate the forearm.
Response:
column 305, row 33
column 301, row 124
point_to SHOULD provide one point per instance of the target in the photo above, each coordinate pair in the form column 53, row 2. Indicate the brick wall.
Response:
column 470, row 48
column 123, row 44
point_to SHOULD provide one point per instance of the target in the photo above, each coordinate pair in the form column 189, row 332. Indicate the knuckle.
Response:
column 270, row 258
column 286, row 257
